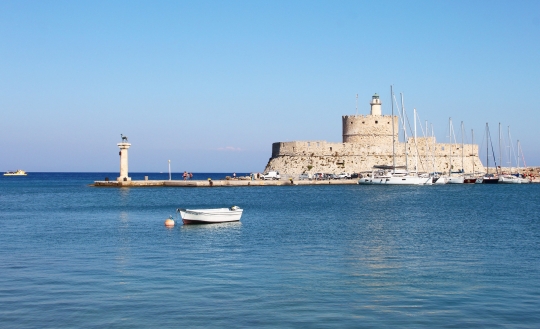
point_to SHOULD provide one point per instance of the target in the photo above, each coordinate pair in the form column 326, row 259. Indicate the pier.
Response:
column 220, row 183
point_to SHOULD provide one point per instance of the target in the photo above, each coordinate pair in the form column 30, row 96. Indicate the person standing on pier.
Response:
column 185, row 175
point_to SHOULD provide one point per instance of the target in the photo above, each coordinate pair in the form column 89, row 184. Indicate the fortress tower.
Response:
column 374, row 130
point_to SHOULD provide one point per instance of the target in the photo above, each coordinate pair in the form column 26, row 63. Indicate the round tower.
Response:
column 375, row 105
column 373, row 130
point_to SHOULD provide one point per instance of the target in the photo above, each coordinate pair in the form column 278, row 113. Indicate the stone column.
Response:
column 123, row 162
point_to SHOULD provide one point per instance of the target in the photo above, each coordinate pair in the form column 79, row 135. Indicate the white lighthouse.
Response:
column 375, row 105
column 124, row 146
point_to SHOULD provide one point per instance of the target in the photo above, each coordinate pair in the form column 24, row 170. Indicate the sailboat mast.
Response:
column 518, row 154
column 433, row 153
column 450, row 147
column 472, row 146
column 500, row 148
column 393, row 136
column 487, row 148
column 509, row 150
column 462, row 151
column 416, row 146
column 404, row 134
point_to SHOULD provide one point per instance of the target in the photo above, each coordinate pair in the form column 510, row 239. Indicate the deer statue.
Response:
column 124, row 138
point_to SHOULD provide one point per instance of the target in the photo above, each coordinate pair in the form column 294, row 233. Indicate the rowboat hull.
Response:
column 210, row 216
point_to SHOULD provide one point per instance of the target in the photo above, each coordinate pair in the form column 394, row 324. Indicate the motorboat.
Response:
column 210, row 216
column 19, row 172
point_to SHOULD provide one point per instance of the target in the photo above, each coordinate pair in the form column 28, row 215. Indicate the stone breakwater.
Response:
column 219, row 183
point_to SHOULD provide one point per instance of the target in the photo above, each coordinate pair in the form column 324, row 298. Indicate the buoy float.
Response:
column 169, row 222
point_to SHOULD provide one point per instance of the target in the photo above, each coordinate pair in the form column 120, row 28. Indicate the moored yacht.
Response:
column 390, row 175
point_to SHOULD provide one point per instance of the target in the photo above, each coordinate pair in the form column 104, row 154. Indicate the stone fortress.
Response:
column 367, row 141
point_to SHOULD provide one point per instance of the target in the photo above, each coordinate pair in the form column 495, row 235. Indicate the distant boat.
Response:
column 210, row 216
column 19, row 172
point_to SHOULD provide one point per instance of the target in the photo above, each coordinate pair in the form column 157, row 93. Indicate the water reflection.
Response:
column 124, row 240
column 210, row 227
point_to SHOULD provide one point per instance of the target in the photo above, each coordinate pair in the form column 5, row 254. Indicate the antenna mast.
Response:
column 357, row 104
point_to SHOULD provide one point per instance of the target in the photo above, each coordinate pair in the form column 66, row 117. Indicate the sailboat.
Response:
column 488, row 178
column 524, row 180
column 471, row 178
column 394, row 175
column 455, row 179
column 507, row 178
column 437, row 177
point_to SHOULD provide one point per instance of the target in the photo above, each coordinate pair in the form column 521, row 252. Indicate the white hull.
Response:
column 19, row 172
column 210, row 216
column 508, row 179
column 456, row 180
column 395, row 180
column 441, row 180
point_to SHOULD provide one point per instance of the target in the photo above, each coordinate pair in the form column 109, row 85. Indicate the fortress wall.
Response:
column 320, row 156
column 295, row 165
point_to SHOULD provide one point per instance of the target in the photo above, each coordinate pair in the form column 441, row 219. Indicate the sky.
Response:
column 210, row 85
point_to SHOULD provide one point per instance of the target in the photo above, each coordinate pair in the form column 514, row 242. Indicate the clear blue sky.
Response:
column 211, row 85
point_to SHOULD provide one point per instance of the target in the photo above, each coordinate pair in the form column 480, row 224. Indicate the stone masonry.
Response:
column 367, row 141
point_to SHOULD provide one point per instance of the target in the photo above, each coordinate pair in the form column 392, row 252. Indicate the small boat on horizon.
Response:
column 18, row 172
column 210, row 216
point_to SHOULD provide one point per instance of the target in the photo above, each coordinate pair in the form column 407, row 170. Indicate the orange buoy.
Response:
column 169, row 222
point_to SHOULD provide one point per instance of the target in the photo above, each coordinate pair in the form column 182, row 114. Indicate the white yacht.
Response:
column 389, row 175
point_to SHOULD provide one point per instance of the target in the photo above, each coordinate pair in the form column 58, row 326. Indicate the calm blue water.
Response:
column 302, row 256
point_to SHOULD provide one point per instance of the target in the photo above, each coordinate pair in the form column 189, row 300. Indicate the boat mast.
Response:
column 487, row 149
column 518, row 155
column 462, row 151
column 510, row 149
column 450, row 147
column 433, row 153
column 500, row 149
column 472, row 147
column 404, row 134
column 393, row 136
column 416, row 146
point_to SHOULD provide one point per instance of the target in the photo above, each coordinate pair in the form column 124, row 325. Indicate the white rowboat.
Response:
column 210, row 216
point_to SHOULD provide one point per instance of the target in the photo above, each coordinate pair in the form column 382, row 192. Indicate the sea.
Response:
column 336, row 256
